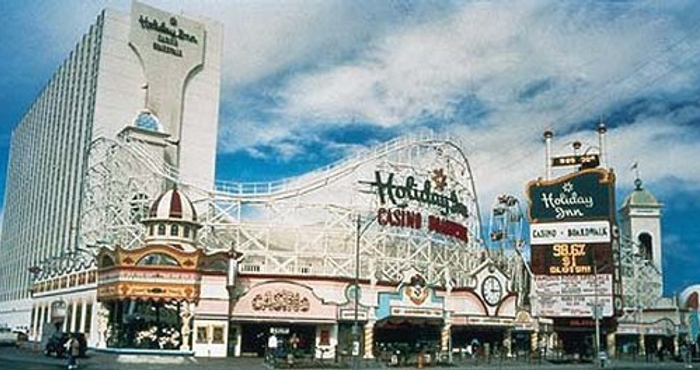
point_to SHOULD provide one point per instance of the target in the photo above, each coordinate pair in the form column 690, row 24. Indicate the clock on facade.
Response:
column 492, row 290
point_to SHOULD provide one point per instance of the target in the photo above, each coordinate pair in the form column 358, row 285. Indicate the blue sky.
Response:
column 305, row 83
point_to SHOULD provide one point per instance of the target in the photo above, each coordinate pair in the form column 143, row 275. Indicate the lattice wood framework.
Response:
column 303, row 226
column 641, row 280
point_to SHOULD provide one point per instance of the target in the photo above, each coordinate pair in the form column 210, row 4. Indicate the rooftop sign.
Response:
column 583, row 195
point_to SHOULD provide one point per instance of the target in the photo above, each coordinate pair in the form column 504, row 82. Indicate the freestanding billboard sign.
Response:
column 571, row 220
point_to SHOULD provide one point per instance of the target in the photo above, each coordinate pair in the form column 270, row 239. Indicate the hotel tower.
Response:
column 150, row 75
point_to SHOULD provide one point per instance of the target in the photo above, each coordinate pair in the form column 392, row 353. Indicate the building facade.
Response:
column 392, row 262
column 122, row 234
column 147, row 70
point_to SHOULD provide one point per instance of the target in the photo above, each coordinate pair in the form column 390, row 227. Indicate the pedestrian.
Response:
column 72, row 346
column 271, row 348
column 685, row 354
column 294, row 342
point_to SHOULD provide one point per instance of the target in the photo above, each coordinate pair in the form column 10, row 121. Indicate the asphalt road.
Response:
column 12, row 358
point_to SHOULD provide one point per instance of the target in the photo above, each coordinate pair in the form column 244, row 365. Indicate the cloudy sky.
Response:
column 306, row 83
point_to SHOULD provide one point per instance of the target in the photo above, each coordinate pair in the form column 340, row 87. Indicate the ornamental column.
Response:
column 445, row 335
column 102, row 325
column 369, row 339
column 676, row 346
column 37, row 327
column 610, row 339
column 186, row 314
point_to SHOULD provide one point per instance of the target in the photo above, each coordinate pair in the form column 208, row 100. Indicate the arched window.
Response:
column 161, row 229
column 186, row 232
column 174, row 230
column 645, row 248
column 157, row 259
column 107, row 261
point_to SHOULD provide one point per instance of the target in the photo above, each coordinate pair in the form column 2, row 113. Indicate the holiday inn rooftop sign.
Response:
column 583, row 195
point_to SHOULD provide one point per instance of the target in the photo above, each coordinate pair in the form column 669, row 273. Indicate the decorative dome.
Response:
column 640, row 197
column 147, row 120
column 175, row 205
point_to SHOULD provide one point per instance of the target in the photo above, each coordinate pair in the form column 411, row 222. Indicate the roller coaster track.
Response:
column 300, row 226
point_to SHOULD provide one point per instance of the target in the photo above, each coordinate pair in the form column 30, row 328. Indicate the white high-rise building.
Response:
column 149, row 69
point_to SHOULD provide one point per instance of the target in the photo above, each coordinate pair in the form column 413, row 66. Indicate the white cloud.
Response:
column 528, row 65
column 591, row 66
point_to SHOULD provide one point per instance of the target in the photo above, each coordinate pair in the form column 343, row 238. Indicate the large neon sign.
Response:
column 397, row 194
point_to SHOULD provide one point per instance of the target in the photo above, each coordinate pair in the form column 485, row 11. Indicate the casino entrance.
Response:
column 401, row 339
column 479, row 341
column 254, row 338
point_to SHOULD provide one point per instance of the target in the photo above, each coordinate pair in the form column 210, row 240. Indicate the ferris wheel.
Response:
column 506, row 225
column 507, row 243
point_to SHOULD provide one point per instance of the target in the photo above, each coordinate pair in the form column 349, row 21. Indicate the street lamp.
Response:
column 359, row 231
column 596, row 312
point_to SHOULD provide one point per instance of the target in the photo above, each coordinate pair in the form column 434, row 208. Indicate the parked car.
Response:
column 22, row 337
column 7, row 337
column 56, row 344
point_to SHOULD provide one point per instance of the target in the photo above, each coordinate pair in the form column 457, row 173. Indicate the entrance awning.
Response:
column 394, row 322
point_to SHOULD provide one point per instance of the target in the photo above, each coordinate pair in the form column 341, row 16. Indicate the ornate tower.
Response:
column 640, row 233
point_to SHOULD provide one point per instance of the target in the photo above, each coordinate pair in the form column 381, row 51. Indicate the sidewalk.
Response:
column 93, row 360
column 107, row 361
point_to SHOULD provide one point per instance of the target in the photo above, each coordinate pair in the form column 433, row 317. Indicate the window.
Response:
column 161, row 229
column 69, row 314
column 174, row 230
column 107, row 261
column 325, row 338
column 157, row 259
column 45, row 317
column 645, row 248
column 201, row 334
column 78, row 316
column 186, row 232
column 33, row 319
column 150, row 230
column 88, row 318
column 218, row 335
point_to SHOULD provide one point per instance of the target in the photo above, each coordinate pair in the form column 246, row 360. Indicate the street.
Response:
column 12, row 358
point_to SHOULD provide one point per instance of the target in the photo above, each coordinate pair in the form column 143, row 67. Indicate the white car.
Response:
column 7, row 337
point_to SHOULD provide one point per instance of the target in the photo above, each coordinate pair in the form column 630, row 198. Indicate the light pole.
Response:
column 601, row 356
column 356, row 296
column 356, row 325
column 359, row 231
column 596, row 312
